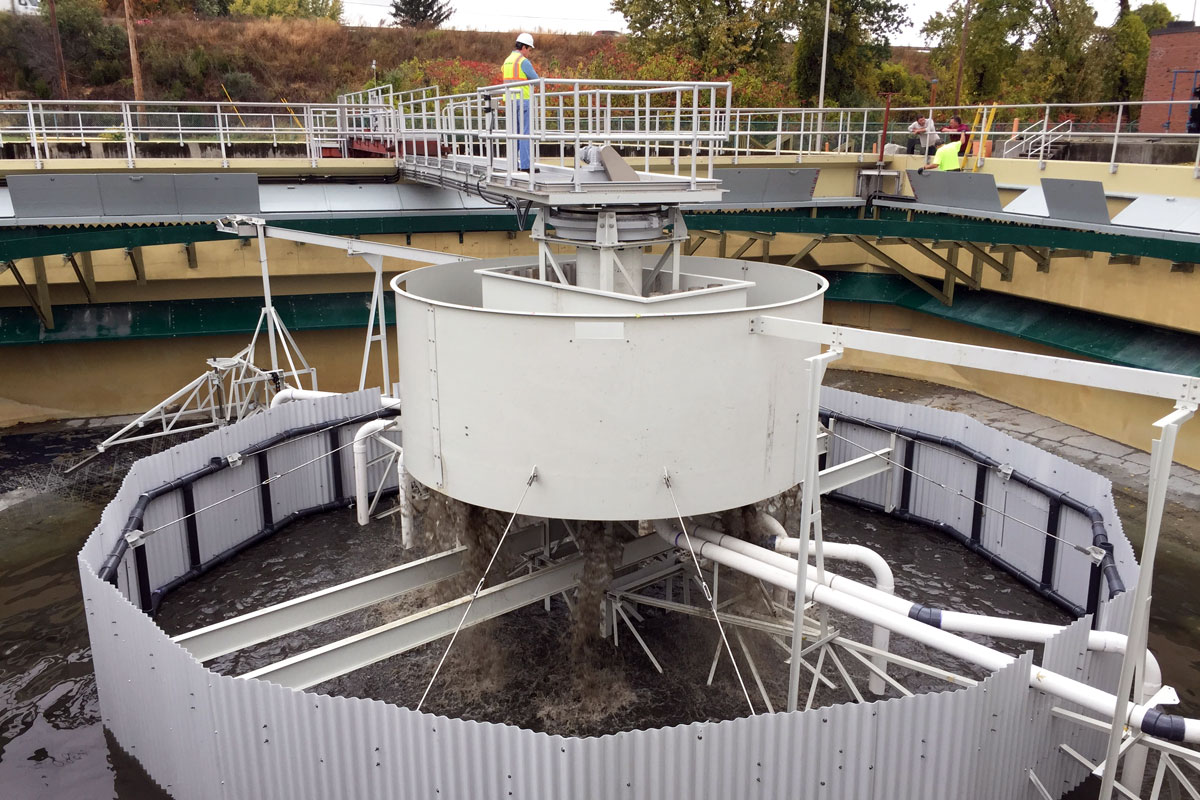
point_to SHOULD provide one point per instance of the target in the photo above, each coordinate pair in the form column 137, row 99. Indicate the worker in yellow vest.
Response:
column 518, row 67
column 945, row 158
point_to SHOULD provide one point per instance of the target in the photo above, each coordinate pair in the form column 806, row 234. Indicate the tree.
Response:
column 998, row 34
column 421, row 13
column 858, row 44
column 1154, row 15
column 310, row 9
column 1123, row 51
column 721, row 34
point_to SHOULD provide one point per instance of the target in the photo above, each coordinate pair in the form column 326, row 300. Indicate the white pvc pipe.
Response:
column 961, row 622
column 403, row 499
column 884, row 582
column 1064, row 688
column 290, row 394
column 361, row 491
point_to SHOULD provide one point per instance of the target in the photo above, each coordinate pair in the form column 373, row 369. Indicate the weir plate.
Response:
column 600, row 391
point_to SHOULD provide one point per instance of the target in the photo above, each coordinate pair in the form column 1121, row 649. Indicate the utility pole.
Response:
column 58, row 54
column 821, row 88
column 138, row 94
column 962, row 51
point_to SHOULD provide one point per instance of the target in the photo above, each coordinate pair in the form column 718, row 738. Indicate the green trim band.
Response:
column 1082, row 333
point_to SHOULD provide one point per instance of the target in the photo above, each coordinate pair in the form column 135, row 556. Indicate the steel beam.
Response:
column 134, row 254
column 808, row 247
column 1004, row 269
column 1150, row 383
column 355, row 652
column 85, row 275
column 944, row 262
column 854, row 470
column 45, row 311
column 260, row 626
column 47, row 323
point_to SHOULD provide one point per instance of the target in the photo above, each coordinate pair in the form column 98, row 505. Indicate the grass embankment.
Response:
column 184, row 58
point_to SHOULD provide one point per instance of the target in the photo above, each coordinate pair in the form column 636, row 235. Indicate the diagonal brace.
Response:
column 1005, row 270
column 923, row 284
column 942, row 261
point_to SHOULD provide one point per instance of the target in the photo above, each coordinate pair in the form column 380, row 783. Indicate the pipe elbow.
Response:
column 370, row 429
column 290, row 394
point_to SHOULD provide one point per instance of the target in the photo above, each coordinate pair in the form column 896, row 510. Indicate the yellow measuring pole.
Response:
column 989, row 119
column 235, row 111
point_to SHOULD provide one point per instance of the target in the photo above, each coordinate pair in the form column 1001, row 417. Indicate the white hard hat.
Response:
column 525, row 39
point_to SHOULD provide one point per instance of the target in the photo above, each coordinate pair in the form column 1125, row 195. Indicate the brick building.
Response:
column 1172, row 73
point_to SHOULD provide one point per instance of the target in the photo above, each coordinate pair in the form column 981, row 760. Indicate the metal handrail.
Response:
column 648, row 119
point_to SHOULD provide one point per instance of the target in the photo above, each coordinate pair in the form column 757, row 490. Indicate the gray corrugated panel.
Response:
column 943, row 487
column 1066, row 653
column 54, row 195
column 1081, row 201
column 125, row 195
column 218, row 736
column 1031, row 202
column 970, row 190
column 217, row 193
column 166, row 548
column 6, row 206
column 1022, row 535
column 1162, row 213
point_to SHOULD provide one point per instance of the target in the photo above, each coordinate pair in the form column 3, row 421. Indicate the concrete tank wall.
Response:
column 600, row 404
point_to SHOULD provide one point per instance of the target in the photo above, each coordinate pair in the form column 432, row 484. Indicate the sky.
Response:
column 588, row 16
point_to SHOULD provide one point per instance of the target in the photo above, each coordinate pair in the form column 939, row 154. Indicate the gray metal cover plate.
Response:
column 1075, row 200
column 224, row 193
column 1031, row 202
column 1162, row 213
column 131, row 195
column 973, row 190
column 757, row 186
column 54, row 195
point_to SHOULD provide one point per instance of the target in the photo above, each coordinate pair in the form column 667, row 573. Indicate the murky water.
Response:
column 52, row 744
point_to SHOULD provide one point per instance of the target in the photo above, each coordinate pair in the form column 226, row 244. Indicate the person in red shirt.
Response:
column 956, row 125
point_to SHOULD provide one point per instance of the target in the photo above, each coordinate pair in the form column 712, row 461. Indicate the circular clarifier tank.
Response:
column 500, row 372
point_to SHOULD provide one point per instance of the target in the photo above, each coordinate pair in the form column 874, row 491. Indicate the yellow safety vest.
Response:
column 946, row 156
column 511, row 71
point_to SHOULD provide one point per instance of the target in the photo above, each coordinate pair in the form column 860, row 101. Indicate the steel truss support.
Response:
column 887, row 260
column 40, row 303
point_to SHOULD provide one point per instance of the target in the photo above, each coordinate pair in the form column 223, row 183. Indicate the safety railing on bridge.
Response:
column 683, row 122
column 48, row 130
column 484, row 132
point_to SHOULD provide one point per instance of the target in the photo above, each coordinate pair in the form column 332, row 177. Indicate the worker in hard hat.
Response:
column 518, row 67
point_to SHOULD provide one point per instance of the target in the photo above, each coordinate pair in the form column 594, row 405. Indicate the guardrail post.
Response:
column 1112, row 160
column 1045, row 136
column 33, row 143
column 127, row 119
column 221, row 136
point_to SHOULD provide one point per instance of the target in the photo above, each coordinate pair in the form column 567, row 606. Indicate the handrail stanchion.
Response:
column 1045, row 130
column 129, row 133
column 1112, row 159
column 33, row 140
column 695, row 133
column 678, row 112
